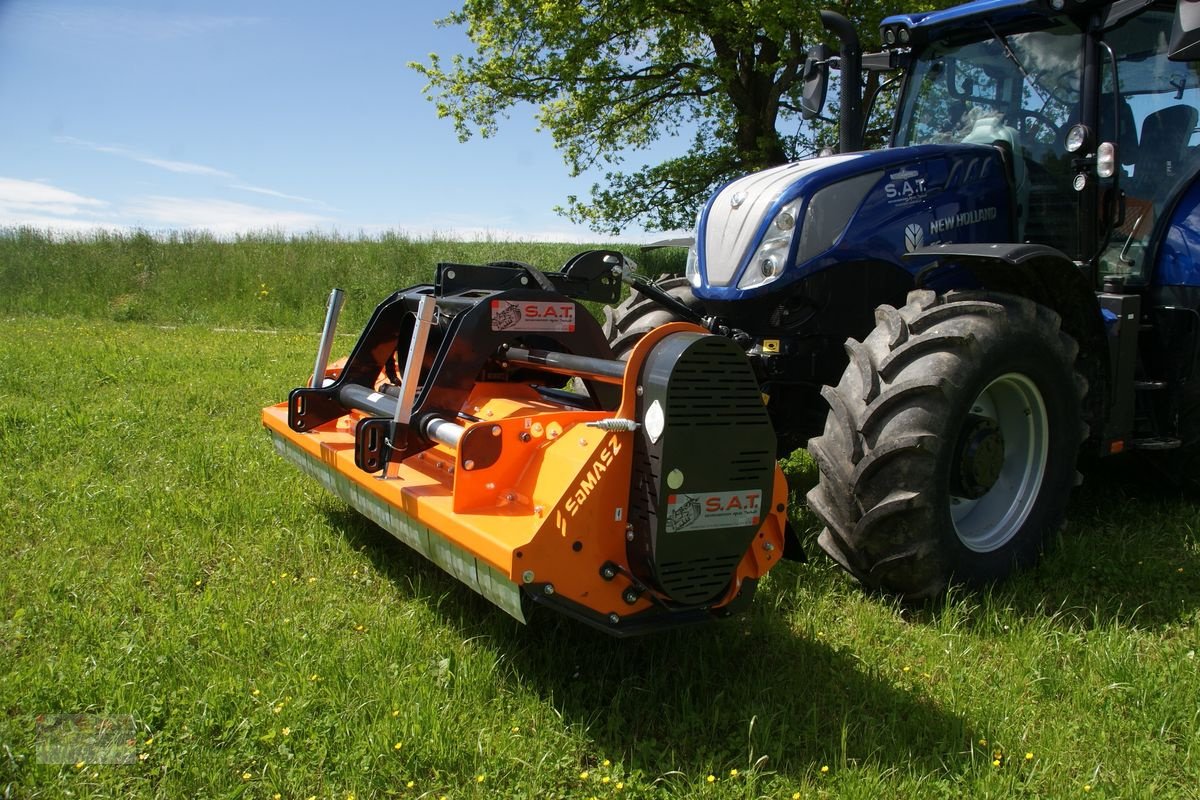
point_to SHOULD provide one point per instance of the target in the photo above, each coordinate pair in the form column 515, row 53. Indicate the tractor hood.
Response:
column 766, row 230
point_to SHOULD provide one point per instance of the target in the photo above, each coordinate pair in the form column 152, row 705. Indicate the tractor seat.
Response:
column 1164, row 140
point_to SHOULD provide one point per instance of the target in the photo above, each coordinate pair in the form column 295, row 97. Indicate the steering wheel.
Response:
column 1041, row 121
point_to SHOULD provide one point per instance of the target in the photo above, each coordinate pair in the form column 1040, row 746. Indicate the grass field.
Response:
column 249, row 636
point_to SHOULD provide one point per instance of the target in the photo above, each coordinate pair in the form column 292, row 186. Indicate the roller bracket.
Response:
column 480, row 447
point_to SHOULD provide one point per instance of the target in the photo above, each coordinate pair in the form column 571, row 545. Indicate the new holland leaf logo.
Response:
column 914, row 237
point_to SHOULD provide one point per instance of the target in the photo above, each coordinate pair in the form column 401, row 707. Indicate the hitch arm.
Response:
column 664, row 299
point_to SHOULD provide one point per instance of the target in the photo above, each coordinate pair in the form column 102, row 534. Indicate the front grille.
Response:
column 698, row 580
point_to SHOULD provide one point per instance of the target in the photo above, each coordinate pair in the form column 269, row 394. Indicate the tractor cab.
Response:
column 1099, row 121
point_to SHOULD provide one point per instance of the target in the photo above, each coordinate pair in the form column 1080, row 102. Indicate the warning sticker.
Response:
column 695, row 512
column 531, row 315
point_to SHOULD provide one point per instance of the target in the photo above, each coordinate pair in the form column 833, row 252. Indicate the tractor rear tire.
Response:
column 950, row 447
column 638, row 314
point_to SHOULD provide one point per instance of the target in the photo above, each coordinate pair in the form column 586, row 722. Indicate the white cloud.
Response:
column 221, row 217
column 273, row 193
column 183, row 167
column 40, row 205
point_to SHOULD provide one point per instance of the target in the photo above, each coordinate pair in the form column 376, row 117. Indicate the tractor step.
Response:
column 1154, row 443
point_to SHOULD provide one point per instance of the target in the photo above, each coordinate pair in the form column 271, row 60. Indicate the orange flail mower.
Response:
column 483, row 421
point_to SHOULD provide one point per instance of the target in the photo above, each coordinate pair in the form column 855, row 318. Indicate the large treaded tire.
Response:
column 638, row 315
column 950, row 447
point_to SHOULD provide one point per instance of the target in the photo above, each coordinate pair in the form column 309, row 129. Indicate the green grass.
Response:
column 161, row 562
column 255, row 282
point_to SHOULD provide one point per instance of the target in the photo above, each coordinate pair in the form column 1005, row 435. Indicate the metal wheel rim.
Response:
column 991, row 521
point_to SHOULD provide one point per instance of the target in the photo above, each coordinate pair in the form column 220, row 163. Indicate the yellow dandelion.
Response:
column 996, row 762
column 397, row 745
column 360, row 628
column 276, row 796
column 824, row 769
column 983, row 742
column 1087, row 787
column 733, row 773
column 1029, row 756
column 312, row 580
column 283, row 574
column 198, row 582
column 349, row 796
column 619, row 786
column 410, row 784
column 278, row 708
column 606, row 763
column 256, row 692
column 907, row 669
column 286, row 731
column 515, row 729
column 246, row 776
column 314, row 677
column 795, row 796
column 583, row 776
column 479, row 778
column 711, row 778
column 605, row 779
column 150, row 740
column 143, row 756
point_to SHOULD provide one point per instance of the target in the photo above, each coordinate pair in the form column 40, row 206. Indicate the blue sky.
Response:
column 243, row 116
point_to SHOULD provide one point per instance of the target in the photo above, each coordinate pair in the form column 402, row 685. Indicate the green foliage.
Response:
column 612, row 77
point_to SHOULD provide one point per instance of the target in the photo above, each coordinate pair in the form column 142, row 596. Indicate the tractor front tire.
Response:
column 950, row 447
column 638, row 314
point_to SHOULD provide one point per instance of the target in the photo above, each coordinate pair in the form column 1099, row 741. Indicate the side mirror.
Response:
column 1185, row 33
column 816, row 81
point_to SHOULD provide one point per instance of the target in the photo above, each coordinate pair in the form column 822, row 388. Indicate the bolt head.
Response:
column 548, row 589
column 527, row 576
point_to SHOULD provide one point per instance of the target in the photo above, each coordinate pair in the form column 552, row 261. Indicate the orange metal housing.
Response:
column 546, row 518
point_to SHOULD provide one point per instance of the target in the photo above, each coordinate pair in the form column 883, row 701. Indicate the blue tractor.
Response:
column 951, row 321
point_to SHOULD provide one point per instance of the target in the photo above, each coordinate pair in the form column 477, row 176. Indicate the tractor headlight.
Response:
column 770, row 258
column 692, row 270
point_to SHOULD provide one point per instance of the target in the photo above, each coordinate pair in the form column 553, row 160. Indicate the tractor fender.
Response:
column 1046, row 276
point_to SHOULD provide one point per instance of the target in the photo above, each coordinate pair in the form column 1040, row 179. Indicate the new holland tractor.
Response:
column 950, row 321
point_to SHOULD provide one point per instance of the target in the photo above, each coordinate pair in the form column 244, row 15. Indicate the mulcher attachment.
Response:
column 483, row 421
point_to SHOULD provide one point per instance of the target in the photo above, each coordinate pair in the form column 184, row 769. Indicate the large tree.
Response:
column 611, row 77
